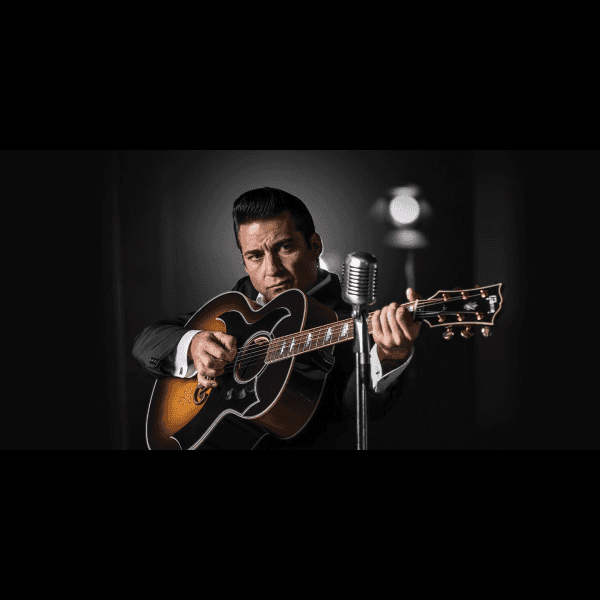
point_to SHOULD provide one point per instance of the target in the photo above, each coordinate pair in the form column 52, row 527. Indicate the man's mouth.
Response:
column 280, row 284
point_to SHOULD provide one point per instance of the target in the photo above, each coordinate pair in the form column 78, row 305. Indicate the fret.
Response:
column 343, row 334
column 320, row 338
column 307, row 341
column 307, row 344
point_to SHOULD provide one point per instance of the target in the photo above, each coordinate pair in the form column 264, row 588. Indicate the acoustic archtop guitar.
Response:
column 284, row 354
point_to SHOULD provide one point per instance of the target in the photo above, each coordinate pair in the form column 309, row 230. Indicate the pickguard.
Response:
column 241, row 330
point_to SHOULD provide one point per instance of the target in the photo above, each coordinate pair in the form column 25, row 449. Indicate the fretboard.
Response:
column 314, row 339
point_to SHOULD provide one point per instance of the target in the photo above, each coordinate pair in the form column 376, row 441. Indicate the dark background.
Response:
column 156, row 234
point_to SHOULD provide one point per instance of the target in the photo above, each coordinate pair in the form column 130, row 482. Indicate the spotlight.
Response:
column 404, row 210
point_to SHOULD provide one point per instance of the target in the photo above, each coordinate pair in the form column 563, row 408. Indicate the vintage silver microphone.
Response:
column 359, row 288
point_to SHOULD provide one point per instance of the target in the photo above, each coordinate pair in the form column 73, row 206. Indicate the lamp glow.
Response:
column 407, row 238
column 404, row 209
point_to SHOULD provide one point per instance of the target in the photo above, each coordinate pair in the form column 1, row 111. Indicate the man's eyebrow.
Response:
column 276, row 244
column 286, row 241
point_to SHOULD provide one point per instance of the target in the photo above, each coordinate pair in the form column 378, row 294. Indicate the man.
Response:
column 280, row 251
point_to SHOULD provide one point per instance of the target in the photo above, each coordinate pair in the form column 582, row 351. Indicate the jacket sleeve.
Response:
column 378, row 404
column 155, row 347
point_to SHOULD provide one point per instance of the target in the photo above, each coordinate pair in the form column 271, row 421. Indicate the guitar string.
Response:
column 277, row 343
column 258, row 356
column 302, row 336
column 420, row 304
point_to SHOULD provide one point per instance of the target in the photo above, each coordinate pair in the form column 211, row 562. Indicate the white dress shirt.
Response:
column 185, row 368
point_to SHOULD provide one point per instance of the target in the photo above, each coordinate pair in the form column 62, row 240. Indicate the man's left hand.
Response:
column 394, row 332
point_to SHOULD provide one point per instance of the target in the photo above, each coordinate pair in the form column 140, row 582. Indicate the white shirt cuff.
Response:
column 382, row 382
column 184, row 367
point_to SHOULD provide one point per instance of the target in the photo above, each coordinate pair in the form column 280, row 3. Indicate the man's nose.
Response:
column 273, row 264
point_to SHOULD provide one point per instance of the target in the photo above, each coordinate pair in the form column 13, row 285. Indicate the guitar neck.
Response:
column 466, row 307
column 317, row 338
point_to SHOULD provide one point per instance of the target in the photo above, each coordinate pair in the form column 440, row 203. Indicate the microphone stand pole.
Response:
column 361, row 351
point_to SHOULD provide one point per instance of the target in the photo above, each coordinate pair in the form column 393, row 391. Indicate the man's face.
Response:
column 276, row 255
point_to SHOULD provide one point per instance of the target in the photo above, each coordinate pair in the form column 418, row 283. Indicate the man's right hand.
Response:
column 211, row 351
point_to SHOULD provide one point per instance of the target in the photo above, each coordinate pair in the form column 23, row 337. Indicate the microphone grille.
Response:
column 359, row 277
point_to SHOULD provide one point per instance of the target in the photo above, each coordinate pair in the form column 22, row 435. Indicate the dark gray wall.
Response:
column 151, row 231
column 179, row 251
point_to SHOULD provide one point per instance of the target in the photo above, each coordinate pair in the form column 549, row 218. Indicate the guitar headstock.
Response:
column 471, row 307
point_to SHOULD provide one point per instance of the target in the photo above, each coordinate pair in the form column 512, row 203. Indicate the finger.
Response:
column 212, row 366
column 377, row 333
column 392, row 321
column 215, row 349
column 228, row 342
column 412, row 295
column 387, row 340
column 204, row 381
column 410, row 328
column 207, row 371
column 204, row 371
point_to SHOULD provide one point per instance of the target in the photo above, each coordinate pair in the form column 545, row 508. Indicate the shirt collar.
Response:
column 323, row 278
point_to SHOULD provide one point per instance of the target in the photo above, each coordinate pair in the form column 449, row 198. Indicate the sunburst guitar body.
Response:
column 260, row 393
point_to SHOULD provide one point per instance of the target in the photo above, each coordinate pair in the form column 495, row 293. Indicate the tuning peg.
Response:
column 486, row 332
column 448, row 333
column 467, row 333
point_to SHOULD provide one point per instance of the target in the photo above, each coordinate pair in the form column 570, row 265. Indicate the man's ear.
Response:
column 316, row 244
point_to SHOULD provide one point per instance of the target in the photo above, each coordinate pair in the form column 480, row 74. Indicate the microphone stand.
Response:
column 361, row 350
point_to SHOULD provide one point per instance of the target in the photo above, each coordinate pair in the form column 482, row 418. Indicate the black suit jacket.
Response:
column 333, row 424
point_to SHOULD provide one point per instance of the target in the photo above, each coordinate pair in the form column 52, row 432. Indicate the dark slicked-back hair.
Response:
column 264, row 203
